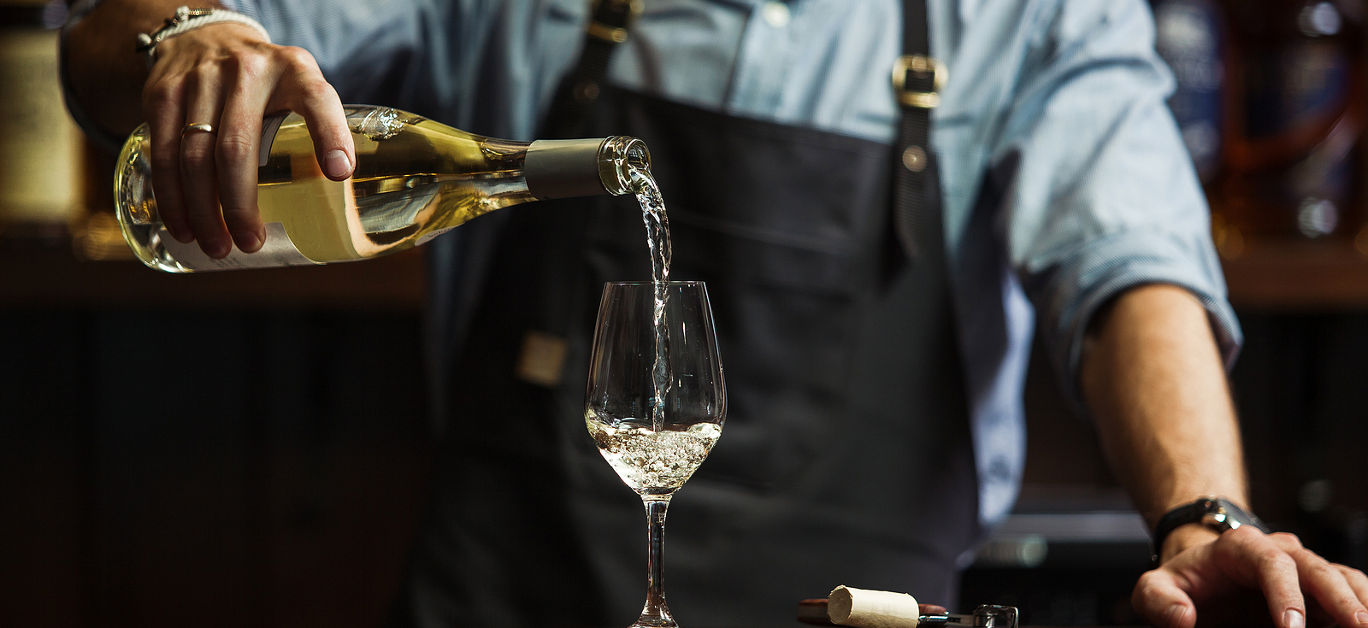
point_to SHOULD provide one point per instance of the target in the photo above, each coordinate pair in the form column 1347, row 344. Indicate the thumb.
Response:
column 1160, row 599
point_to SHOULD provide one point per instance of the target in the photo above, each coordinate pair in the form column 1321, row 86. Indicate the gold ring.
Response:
column 197, row 126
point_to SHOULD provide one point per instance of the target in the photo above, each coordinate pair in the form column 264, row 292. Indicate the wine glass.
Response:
column 655, row 401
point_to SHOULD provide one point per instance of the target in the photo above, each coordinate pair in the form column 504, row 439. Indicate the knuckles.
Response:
column 1287, row 540
column 316, row 94
column 1146, row 582
column 249, row 68
column 196, row 157
column 161, row 95
column 1147, row 589
column 1147, row 585
column 235, row 147
column 297, row 60
column 165, row 161
column 240, row 66
column 192, row 70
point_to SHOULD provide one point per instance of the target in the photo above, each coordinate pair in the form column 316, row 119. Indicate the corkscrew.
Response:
column 883, row 609
column 985, row 616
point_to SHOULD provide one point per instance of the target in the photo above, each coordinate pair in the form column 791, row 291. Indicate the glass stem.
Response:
column 655, row 612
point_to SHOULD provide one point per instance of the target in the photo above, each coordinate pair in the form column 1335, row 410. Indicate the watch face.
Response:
column 1214, row 512
column 1223, row 515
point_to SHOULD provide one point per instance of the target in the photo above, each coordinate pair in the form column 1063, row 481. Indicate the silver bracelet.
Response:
column 187, row 19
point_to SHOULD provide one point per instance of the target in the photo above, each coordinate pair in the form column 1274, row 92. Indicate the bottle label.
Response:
column 269, row 127
column 428, row 237
column 278, row 250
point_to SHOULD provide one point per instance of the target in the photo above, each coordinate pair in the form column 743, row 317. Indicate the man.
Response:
column 875, row 357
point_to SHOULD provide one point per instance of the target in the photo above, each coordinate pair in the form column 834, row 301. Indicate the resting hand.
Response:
column 1249, row 577
column 227, row 76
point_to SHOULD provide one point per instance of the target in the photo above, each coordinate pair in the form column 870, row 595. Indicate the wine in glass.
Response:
column 655, row 401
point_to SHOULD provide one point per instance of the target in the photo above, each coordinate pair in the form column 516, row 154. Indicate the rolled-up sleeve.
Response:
column 1099, row 194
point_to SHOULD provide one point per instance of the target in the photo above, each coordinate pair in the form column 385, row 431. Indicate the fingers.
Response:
column 1161, row 599
column 1358, row 582
column 206, row 182
column 1340, row 591
column 328, row 128
column 310, row 95
column 1247, row 552
column 238, row 155
column 165, row 113
column 1232, row 570
column 198, row 171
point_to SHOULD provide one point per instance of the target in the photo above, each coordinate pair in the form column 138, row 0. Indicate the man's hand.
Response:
column 1154, row 380
column 1245, row 576
column 225, row 75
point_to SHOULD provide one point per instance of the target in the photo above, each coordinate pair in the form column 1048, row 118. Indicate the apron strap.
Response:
column 579, row 90
column 917, row 81
column 544, row 345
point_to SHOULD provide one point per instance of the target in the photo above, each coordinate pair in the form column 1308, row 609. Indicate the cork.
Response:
column 863, row 608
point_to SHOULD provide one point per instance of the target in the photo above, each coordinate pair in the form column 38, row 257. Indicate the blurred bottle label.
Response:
column 1189, row 37
column 1294, row 85
column 39, row 145
column 1293, row 155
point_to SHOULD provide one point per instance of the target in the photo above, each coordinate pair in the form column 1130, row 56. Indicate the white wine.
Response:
column 658, row 244
column 414, row 179
column 652, row 462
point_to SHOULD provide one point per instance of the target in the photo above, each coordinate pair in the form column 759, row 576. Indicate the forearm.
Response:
column 1153, row 378
column 104, row 72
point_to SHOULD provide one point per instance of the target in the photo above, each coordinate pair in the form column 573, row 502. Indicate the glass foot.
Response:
column 657, row 616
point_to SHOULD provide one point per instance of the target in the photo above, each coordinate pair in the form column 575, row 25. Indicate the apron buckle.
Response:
column 911, row 70
column 610, row 18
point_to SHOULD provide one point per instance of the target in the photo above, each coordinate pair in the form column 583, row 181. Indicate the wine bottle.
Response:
column 1295, row 149
column 414, row 179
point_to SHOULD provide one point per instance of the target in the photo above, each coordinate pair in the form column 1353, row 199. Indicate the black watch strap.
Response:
column 1213, row 512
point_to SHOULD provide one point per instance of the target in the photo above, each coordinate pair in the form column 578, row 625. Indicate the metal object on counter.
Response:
column 814, row 611
column 985, row 616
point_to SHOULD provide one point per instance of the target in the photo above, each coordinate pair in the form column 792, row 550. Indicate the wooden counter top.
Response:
column 47, row 273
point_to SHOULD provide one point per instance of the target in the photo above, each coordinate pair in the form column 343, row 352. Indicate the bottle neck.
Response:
column 584, row 167
column 622, row 161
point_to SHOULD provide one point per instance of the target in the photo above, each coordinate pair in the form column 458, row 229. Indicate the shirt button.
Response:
column 776, row 14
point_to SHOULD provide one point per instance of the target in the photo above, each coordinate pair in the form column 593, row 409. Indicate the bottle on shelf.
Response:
column 1191, row 36
column 1293, row 139
column 414, row 179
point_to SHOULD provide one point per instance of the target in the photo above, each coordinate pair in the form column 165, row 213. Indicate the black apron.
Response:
column 845, row 458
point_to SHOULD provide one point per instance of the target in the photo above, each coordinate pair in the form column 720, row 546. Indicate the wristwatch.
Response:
column 1216, row 513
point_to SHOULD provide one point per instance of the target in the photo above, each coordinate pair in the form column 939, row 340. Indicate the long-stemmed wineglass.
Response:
column 655, row 403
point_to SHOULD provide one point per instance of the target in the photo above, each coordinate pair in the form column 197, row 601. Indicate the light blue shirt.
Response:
column 1064, row 179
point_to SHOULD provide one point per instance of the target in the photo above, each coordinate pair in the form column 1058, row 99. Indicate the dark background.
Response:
column 275, row 477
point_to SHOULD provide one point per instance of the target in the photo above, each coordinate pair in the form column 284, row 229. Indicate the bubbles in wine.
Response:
column 650, row 461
